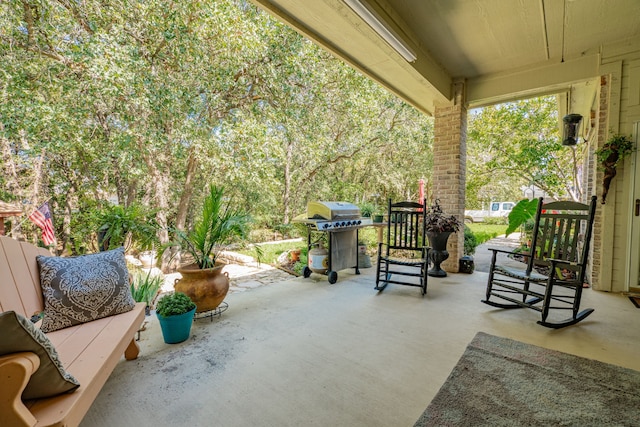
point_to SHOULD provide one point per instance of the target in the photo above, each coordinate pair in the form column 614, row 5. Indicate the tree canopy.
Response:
column 515, row 145
column 150, row 102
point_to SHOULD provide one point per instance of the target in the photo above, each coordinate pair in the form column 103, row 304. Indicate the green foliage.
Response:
column 368, row 209
column 470, row 241
column 437, row 221
column 130, row 226
column 614, row 150
column 484, row 232
column 145, row 287
column 152, row 102
column 495, row 220
column 288, row 231
column 523, row 211
column 218, row 226
column 174, row 304
column 517, row 144
column 271, row 251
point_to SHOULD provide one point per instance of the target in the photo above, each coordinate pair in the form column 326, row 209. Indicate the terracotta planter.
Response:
column 206, row 287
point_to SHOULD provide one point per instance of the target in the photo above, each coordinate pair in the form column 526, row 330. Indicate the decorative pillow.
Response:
column 84, row 288
column 19, row 334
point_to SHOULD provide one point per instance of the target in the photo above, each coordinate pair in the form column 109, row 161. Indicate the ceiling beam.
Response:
column 544, row 79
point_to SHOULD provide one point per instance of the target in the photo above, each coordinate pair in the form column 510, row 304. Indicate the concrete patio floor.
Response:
column 303, row 352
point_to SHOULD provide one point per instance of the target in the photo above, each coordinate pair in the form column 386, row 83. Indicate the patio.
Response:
column 303, row 352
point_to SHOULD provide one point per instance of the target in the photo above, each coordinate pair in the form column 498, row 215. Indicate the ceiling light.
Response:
column 380, row 27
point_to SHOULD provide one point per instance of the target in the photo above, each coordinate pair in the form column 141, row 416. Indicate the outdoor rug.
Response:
column 502, row 382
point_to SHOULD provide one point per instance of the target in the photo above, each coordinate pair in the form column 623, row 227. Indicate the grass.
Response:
column 484, row 232
column 271, row 251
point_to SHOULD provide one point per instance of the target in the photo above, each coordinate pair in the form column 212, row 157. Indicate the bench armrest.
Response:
column 15, row 371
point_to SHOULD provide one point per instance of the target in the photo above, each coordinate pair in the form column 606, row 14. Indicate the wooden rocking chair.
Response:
column 555, row 271
column 404, row 259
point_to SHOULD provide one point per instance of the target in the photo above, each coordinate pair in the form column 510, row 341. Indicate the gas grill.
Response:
column 340, row 221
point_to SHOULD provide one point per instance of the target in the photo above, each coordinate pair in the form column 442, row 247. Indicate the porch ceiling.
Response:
column 503, row 50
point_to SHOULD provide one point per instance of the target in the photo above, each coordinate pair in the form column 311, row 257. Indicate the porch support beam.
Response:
column 449, row 167
column 532, row 81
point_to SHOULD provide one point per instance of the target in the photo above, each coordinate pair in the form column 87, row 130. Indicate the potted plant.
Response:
column 609, row 155
column 145, row 288
column 175, row 313
column 219, row 224
column 439, row 227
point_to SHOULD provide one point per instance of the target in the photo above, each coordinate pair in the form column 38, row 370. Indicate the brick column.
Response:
column 449, row 168
column 601, row 277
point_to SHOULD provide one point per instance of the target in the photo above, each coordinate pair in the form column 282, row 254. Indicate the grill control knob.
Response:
column 325, row 226
column 358, row 222
column 343, row 223
column 348, row 223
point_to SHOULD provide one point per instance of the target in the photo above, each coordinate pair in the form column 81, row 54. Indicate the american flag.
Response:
column 42, row 218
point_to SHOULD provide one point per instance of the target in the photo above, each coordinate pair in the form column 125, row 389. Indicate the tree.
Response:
column 149, row 102
column 516, row 145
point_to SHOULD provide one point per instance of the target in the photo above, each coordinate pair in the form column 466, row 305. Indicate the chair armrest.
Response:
column 562, row 261
column 496, row 250
column 15, row 371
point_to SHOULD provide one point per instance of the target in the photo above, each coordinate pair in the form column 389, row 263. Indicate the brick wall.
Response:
column 603, row 121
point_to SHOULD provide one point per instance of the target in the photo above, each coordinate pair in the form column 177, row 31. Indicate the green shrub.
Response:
column 175, row 304
column 470, row 241
column 288, row 231
column 483, row 236
column 260, row 235
column 495, row 221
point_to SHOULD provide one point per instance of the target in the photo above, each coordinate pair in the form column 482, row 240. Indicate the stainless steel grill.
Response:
column 333, row 216
column 341, row 220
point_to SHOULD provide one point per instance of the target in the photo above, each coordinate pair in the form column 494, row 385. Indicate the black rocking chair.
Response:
column 403, row 260
column 555, row 270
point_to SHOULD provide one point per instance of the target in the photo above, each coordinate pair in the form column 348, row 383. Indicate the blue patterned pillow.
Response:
column 81, row 289
column 19, row 334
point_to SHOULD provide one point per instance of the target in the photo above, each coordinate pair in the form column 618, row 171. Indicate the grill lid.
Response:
column 332, row 210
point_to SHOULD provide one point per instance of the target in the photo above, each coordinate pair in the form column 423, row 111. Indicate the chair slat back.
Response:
column 563, row 231
column 406, row 227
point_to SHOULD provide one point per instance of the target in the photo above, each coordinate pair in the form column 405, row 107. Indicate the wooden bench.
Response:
column 89, row 351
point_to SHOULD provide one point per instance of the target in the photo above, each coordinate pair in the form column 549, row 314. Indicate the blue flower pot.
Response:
column 177, row 328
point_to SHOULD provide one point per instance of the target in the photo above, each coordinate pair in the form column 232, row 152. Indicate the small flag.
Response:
column 42, row 218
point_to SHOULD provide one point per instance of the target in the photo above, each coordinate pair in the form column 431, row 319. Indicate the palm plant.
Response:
column 218, row 226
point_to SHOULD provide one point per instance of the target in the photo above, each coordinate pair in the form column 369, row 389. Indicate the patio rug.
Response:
column 635, row 300
column 500, row 382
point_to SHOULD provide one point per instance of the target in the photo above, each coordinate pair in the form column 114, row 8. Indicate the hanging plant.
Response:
column 609, row 155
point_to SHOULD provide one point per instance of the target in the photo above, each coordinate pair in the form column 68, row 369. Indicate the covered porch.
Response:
column 303, row 352
column 448, row 56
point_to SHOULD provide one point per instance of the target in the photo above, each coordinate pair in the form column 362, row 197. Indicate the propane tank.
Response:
column 318, row 260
